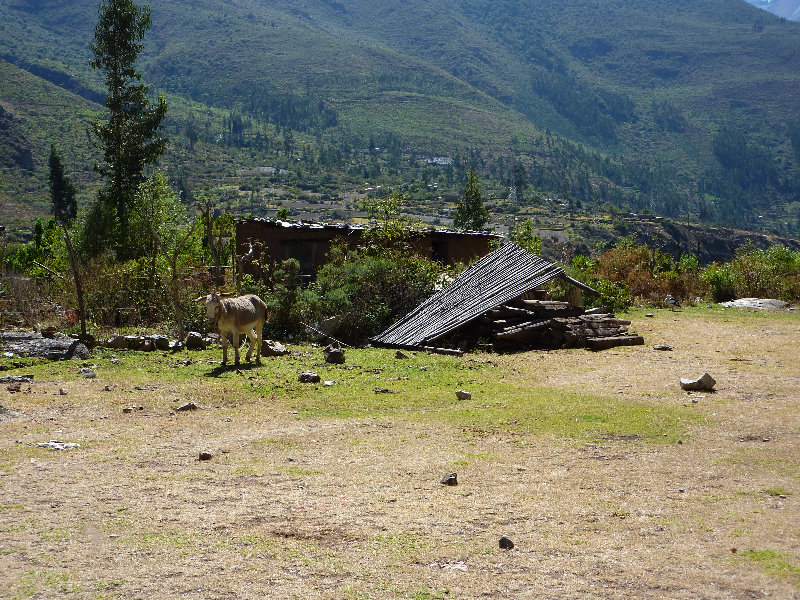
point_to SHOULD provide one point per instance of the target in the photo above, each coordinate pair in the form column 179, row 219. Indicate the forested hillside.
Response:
column 681, row 108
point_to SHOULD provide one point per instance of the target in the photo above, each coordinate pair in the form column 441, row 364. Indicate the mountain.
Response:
column 671, row 106
column 788, row 9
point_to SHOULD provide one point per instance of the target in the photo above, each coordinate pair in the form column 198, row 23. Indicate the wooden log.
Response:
column 604, row 319
column 603, row 343
column 523, row 331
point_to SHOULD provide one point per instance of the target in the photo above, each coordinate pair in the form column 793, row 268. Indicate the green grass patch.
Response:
column 775, row 563
column 298, row 471
column 373, row 384
column 777, row 492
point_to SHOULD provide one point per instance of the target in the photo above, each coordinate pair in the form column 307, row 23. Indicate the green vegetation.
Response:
column 631, row 271
column 774, row 563
column 470, row 212
column 130, row 140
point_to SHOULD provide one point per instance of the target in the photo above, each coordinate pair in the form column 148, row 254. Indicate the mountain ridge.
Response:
column 652, row 89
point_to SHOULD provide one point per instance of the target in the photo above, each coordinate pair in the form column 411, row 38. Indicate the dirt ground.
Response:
column 292, row 507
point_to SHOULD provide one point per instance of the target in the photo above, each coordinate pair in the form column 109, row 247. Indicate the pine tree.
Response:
column 130, row 140
column 65, row 208
column 470, row 212
column 62, row 191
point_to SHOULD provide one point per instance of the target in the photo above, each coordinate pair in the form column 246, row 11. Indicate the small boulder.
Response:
column 133, row 342
column 273, row 348
column 333, row 354
column 147, row 345
column 186, row 406
column 309, row 377
column 206, row 455
column 176, row 346
column 704, row 383
column 506, row 543
column 87, row 339
column 161, row 342
column 194, row 341
column 450, row 479
column 118, row 342
column 662, row 347
column 399, row 354
column 87, row 373
column 462, row 395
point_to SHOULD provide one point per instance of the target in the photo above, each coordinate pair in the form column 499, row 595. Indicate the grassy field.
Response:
column 610, row 480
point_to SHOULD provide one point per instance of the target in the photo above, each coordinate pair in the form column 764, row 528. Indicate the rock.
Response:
column 62, row 392
column 16, row 379
column 49, row 332
column 273, row 348
column 26, row 343
column 87, row 339
column 109, row 388
column 147, row 345
column 14, row 387
column 186, row 406
column 649, row 315
column 450, row 479
column 4, row 412
column 333, row 354
column 87, row 373
column 506, row 543
column 206, row 455
column 759, row 303
column 133, row 342
column 117, row 342
column 161, row 342
column 127, row 409
column 57, row 445
column 663, row 347
column 703, row 383
column 176, row 346
column 194, row 341
column 462, row 395
column 383, row 391
column 309, row 377
column 399, row 354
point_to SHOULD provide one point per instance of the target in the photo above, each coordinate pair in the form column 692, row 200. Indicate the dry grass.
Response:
column 334, row 492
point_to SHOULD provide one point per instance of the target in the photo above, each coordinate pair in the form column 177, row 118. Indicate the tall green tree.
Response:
column 62, row 191
column 470, row 212
column 65, row 209
column 130, row 139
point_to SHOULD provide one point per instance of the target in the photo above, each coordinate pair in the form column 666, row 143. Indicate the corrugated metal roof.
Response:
column 500, row 276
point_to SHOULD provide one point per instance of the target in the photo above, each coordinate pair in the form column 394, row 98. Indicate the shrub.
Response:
column 720, row 281
column 770, row 273
column 615, row 296
column 369, row 290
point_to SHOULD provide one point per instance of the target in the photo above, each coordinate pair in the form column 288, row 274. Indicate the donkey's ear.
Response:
column 225, row 294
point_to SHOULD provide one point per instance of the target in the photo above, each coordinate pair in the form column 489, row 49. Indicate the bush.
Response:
column 650, row 274
column 615, row 296
column 369, row 290
column 720, row 281
column 753, row 273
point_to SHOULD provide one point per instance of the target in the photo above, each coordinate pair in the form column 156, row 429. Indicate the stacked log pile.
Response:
column 550, row 324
